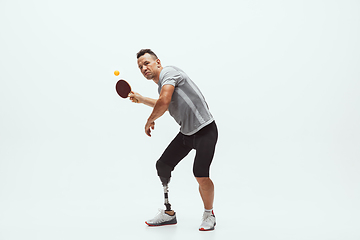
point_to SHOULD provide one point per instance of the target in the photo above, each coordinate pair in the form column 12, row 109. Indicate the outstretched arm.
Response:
column 160, row 107
column 137, row 98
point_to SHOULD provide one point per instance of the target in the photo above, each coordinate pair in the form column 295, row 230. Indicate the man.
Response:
column 182, row 98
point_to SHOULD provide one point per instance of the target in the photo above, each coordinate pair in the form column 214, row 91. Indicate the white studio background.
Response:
column 281, row 78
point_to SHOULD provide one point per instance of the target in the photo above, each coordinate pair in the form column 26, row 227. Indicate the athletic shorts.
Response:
column 203, row 141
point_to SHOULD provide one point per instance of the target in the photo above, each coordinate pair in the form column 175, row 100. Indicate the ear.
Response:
column 158, row 62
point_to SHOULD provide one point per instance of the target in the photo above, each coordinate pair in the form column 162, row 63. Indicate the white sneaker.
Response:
column 162, row 218
column 208, row 221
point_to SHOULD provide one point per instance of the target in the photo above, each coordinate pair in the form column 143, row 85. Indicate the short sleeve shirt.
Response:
column 188, row 106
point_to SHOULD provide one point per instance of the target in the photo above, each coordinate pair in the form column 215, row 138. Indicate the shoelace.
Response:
column 208, row 219
column 160, row 217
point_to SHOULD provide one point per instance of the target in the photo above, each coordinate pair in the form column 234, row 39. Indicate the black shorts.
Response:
column 203, row 142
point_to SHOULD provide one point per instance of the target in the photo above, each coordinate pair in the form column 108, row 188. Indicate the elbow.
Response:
column 164, row 102
column 167, row 103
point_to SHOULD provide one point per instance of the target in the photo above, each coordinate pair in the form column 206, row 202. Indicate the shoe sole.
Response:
column 204, row 230
column 171, row 222
column 166, row 224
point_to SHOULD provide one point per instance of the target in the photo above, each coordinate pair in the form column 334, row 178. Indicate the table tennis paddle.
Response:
column 123, row 88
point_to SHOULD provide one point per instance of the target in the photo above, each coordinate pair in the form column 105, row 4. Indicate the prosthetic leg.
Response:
column 164, row 217
column 164, row 172
column 165, row 182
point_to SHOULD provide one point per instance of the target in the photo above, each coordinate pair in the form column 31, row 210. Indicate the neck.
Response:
column 157, row 77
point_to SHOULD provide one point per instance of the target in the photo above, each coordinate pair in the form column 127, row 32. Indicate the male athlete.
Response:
column 182, row 98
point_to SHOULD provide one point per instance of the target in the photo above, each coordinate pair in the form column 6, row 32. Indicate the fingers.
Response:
column 133, row 97
column 148, row 128
column 132, row 94
column 134, row 100
column 148, row 132
column 153, row 125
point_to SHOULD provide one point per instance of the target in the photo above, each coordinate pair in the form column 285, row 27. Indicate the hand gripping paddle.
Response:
column 123, row 88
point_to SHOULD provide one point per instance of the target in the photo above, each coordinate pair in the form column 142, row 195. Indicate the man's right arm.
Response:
column 137, row 98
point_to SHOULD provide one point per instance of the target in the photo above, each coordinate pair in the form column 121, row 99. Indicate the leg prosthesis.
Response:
column 164, row 172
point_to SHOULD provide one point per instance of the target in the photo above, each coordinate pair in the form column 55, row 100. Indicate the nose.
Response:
column 144, row 69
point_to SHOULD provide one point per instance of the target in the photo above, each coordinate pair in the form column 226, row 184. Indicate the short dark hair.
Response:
column 144, row 51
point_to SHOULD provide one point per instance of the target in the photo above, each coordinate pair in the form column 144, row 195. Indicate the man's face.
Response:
column 149, row 66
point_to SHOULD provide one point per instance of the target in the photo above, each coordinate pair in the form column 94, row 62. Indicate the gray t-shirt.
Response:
column 188, row 106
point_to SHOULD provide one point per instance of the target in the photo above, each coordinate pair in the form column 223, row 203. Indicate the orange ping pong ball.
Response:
column 116, row 73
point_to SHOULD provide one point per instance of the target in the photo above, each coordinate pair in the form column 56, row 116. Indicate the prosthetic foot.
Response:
column 164, row 218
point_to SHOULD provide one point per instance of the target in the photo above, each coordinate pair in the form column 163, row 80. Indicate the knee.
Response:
column 163, row 170
column 201, row 171
column 205, row 182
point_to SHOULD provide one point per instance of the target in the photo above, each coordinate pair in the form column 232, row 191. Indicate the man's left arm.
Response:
column 161, row 106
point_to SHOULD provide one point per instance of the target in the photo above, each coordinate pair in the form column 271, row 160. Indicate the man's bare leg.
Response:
column 206, row 189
